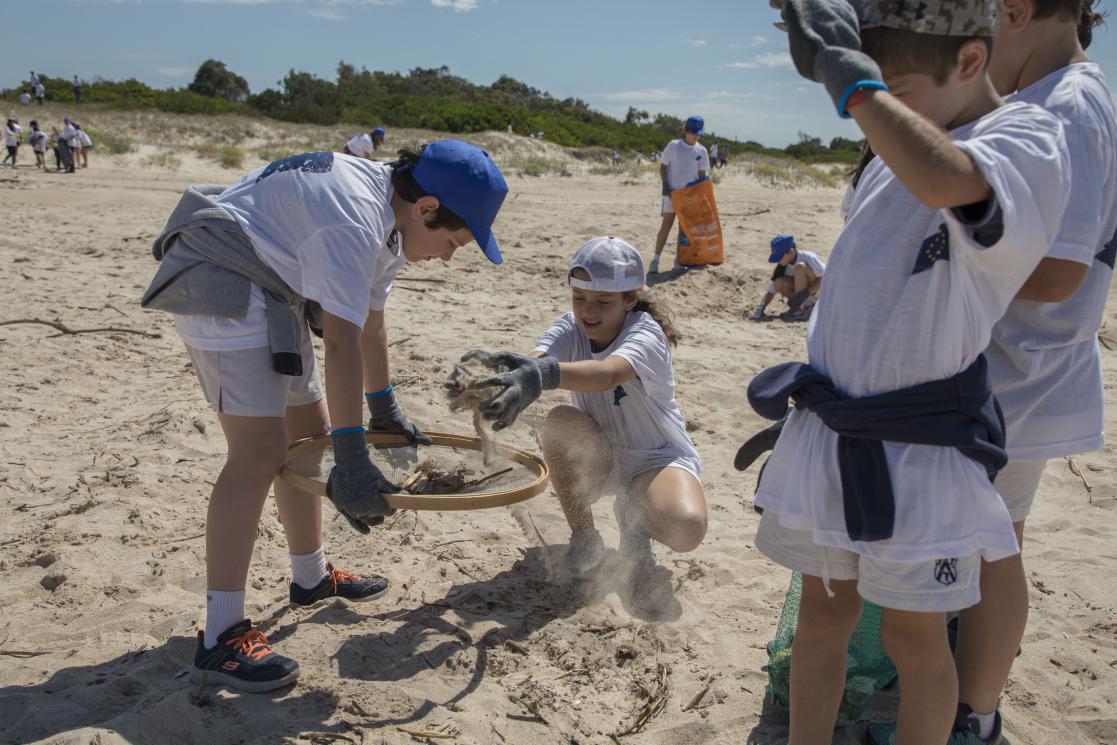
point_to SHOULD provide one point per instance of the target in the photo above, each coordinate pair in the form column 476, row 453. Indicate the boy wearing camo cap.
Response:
column 880, row 486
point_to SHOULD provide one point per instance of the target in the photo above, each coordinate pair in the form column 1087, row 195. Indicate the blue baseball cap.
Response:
column 378, row 131
column 695, row 124
column 466, row 180
column 781, row 244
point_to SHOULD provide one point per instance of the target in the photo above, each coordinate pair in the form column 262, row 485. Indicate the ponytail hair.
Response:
column 1089, row 20
column 658, row 310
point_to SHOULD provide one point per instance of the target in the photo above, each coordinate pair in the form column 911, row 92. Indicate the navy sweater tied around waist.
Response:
column 958, row 412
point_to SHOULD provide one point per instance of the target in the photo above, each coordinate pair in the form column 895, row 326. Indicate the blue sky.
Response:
column 719, row 58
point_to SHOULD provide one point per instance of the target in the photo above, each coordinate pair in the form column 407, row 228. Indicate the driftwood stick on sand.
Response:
column 66, row 330
column 697, row 698
column 483, row 479
column 1078, row 472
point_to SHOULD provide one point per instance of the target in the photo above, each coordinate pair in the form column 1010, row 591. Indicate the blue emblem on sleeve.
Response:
column 618, row 394
column 1108, row 253
column 306, row 162
column 932, row 249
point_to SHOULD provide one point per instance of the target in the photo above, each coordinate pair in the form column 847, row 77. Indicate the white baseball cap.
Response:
column 613, row 266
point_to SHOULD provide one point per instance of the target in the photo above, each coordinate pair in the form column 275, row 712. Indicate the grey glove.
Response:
column 825, row 41
column 355, row 483
column 666, row 189
column 387, row 416
column 758, row 313
column 523, row 379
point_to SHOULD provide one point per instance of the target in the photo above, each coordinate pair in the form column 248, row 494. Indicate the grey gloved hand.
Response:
column 758, row 313
column 523, row 379
column 825, row 41
column 355, row 483
column 666, row 189
column 387, row 416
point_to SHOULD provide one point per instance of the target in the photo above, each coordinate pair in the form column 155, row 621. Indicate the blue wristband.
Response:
column 877, row 85
column 344, row 430
column 378, row 394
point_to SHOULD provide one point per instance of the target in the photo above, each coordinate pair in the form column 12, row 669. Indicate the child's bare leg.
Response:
column 989, row 633
column 818, row 658
column 664, row 232
column 785, row 287
column 579, row 459
column 918, row 645
column 301, row 513
column 257, row 450
column 671, row 507
column 803, row 278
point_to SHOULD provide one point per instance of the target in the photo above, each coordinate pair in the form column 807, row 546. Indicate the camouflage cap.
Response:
column 938, row 17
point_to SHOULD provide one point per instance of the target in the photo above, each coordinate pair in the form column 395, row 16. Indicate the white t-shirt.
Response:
column 911, row 297
column 1044, row 357
column 683, row 162
column 71, row 135
column 810, row 258
column 11, row 135
column 25, row 98
column 38, row 140
column 324, row 223
column 640, row 416
column 361, row 146
column 847, row 198
column 714, row 150
column 83, row 138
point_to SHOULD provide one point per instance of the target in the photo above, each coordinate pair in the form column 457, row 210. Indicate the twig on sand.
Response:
column 401, row 341
column 483, row 479
column 656, row 701
column 428, row 733
column 538, row 535
column 64, row 329
column 24, row 653
column 1078, row 472
column 188, row 538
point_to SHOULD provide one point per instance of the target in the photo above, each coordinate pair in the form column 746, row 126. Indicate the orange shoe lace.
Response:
column 340, row 575
column 252, row 643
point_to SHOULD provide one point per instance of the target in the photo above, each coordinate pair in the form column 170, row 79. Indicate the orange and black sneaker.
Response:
column 339, row 583
column 242, row 659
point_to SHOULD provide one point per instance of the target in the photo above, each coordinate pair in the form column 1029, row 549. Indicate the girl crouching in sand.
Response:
column 623, row 433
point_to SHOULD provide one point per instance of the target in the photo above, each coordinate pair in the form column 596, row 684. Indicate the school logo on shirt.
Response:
column 933, row 248
column 946, row 571
column 1108, row 253
column 306, row 162
column 618, row 394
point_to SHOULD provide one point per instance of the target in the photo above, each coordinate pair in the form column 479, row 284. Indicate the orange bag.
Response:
column 700, row 239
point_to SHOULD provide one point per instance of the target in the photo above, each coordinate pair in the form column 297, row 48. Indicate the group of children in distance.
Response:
column 985, row 283
column 71, row 144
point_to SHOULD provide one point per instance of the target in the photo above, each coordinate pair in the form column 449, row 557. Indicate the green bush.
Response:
column 110, row 142
column 163, row 160
column 539, row 166
column 229, row 156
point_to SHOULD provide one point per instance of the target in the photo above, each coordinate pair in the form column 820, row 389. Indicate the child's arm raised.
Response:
column 940, row 174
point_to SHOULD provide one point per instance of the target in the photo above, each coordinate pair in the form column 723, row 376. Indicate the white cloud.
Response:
column 770, row 60
column 327, row 14
column 177, row 71
column 459, row 6
column 755, row 41
column 698, row 42
column 647, row 95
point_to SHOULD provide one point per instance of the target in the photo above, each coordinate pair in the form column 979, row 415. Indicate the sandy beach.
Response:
column 108, row 452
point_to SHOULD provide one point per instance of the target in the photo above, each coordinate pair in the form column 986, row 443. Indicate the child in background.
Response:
column 683, row 162
column 797, row 278
column 85, row 145
column 623, row 433
column 13, row 135
column 38, row 141
column 1044, row 358
column 867, row 494
column 364, row 145
column 316, row 237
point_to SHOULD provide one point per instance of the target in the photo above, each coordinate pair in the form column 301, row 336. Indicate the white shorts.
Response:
column 667, row 208
column 948, row 584
column 1017, row 484
column 627, row 465
column 243, row 382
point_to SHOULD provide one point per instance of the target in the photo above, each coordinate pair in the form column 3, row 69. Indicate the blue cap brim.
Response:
column 775, row 257
column 487, row 241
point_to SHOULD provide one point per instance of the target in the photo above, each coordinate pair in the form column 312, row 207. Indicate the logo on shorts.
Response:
column 618, row 394
column 946, row 571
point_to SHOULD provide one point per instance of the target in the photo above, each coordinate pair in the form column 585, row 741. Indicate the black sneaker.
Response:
column 340, row 584
column 242, row 659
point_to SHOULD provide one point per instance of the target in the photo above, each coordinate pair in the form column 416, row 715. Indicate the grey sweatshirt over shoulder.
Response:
column 208, row 267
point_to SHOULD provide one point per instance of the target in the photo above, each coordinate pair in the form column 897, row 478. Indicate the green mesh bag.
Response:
column 868, row 668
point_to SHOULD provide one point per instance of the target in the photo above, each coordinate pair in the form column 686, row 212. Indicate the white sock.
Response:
column 223, row 609
column 985, row 722
column 307, row 570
